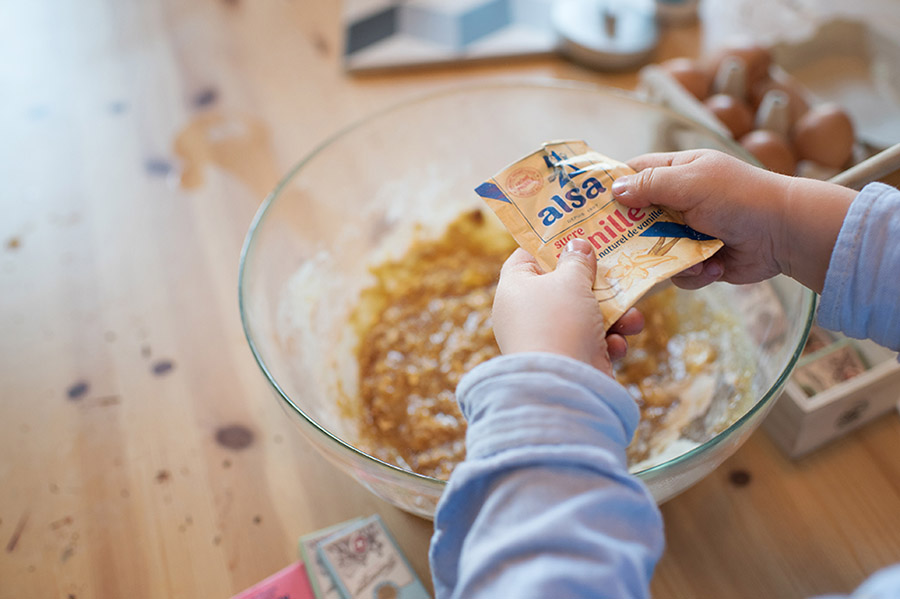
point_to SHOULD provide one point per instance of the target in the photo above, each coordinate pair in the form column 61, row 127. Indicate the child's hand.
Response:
column 557, row 312
column 769, row 223
column 720, row 196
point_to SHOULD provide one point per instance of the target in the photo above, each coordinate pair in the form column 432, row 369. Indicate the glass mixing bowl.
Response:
column 353, row 202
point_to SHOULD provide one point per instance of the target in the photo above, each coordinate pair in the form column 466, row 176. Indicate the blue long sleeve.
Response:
column 861, row 297
column 543, row 505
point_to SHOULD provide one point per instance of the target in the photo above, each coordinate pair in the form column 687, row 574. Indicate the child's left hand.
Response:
column 557, row 312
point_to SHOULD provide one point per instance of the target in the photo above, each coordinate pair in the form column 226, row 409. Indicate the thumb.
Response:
column 577, row 264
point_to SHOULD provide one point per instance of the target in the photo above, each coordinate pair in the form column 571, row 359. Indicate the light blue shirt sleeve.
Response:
column 543, row 505
column 861, row 296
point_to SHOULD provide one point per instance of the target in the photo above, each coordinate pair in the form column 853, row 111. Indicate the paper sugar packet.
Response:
column 562, row 192
column 322, row 583
column 366, row 563
column 289, row 583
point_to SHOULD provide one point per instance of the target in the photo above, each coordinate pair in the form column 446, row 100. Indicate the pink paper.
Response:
column 290, row 583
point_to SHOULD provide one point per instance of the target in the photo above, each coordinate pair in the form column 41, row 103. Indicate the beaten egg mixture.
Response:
column 426, row 321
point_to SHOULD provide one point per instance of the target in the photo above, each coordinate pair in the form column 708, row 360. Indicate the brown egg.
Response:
column 756, row 59
column 690, row 74
column 733, row 113
column 824, row 135
column 771, row 149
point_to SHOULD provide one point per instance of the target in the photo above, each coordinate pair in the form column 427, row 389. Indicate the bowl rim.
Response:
column 763, row 404
column 547, row 83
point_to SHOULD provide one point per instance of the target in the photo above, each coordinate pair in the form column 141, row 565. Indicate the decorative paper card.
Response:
column 366, row 563
column 322, row 582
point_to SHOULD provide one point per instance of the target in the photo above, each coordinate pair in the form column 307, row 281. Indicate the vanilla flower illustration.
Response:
column 628, row 270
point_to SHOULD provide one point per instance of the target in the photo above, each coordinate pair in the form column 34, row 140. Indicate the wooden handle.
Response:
column 871, row 169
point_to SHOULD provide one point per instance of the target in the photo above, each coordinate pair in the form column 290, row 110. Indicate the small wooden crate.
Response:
column 801, row 422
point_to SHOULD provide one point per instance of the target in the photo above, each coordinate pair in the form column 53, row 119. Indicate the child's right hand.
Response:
column 770, row 223
column 557, row 312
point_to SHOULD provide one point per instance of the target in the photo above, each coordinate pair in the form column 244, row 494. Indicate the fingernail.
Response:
column 580, row 246
column 620, row 185
column 714, row 270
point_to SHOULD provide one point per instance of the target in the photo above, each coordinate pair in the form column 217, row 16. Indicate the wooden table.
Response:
column 141, row 453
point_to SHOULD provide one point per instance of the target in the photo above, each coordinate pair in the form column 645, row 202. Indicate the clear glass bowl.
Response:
column 354, row 200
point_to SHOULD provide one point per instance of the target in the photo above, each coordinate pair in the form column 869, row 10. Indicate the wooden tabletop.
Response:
column 141, row 453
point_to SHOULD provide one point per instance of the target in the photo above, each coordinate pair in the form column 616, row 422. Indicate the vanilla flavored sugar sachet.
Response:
column 562, row 192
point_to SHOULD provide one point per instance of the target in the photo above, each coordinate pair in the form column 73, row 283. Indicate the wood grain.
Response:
column 141, row 452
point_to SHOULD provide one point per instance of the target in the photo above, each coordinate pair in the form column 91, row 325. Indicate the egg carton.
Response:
column 657, row 85
column 869, row 93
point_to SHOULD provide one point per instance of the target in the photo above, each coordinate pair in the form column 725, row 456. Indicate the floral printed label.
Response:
column 366, row 563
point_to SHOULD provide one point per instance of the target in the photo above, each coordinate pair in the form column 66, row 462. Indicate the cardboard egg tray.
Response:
column 843, row 61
